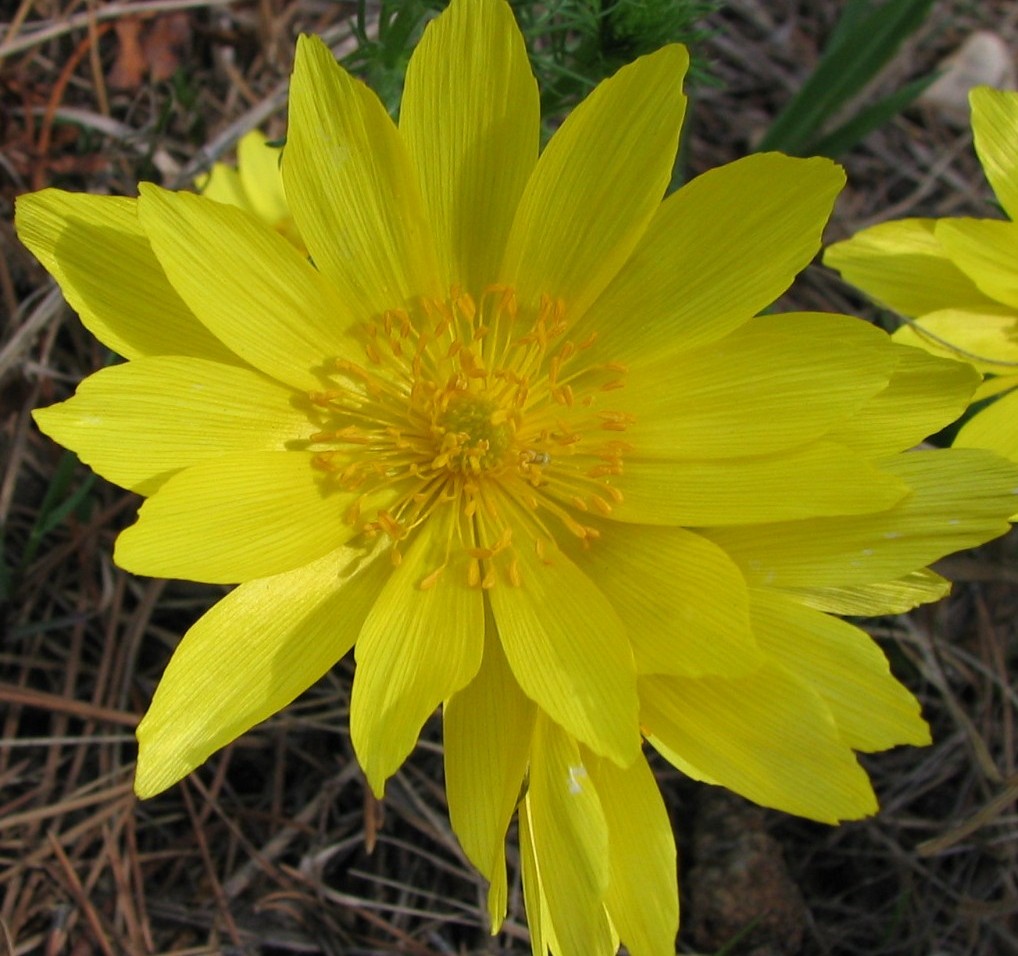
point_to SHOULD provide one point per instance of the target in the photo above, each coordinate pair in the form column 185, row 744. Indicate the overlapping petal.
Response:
column 924, row 394
column 470, row 118
column 845, row 667
column 570, row 837
column 568, row 649
column 575, row 226
column 421, row 642
column 240, row 516
column 881, row 597
column 683, row 600
column 642, row 898
column 821, row 479
column 995, row 428
column 229, row 267
column 994, row 121
column 248, row 657
column 776, row 383
column 95, row 248
column 984, row 250
column 697, row 273
column 352, row 189
column 958, row 498
column 198, row 409
column 985, row 340
column 903, row 265
column 767, row 736
column 488, row 730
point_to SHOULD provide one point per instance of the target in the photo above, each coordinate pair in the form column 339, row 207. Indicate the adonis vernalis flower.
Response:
column 958, row 278
column 512, row 432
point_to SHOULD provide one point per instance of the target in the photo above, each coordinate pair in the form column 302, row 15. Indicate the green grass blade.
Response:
column 855, row 56
column 846, row 136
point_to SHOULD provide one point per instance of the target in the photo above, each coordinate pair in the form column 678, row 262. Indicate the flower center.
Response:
column 479, row 413
column 475, row 434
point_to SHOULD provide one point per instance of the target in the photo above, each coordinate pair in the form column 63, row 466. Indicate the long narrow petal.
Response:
column 985, row 339
column 488, row 728
column 470, row 117
column 169, row 412
column 822, row 479
column 642, row 898
column 776, row 383
column 568, row 649
column 95, row 248
column 845, row 667
column 697, row 272
column 352, row 188
column 870, row 600
column 247, row 284
column 960, row 498
column 984, row 250
column 241, row 516
column 258, row 168
column 571, row 842
column 420, row 644
column 248, row 657
column 925, row 393
column 995, row 428
column 767, row 736
column 598, row 183
column 683, row 600
column 994, row 122
column 903, row 265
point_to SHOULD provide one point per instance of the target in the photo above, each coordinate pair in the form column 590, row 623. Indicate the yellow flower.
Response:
column 255, row 185
column 958, row 278
column 513, row 433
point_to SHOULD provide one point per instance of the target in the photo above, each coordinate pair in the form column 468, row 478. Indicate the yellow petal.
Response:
column 568, row 649
column 994, row 129
column 258, row 167
column 995, row 428
column 598, row 183
column 986, row 339
column 538, row 921
column 984, row 250
column 137, row 423
column 352, row 188
column 994, row 386
column 642, row 898
column 95, row 249
column 960, row 498
column 925, row 394
column 845, row 667
column 903, row 266
column 570, row 839
column 682, row 599
column 767, row 736
column 248, row 657
column 237, row 517
column 716, row 252
column 222, row 183
column 470, row 117
column 778, row 382
column 420, row 644
column 883, row 597
column 488, row 727
column 247, row 284
column 821, row 479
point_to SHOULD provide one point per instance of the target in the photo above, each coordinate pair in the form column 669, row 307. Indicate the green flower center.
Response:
column 475, row 434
